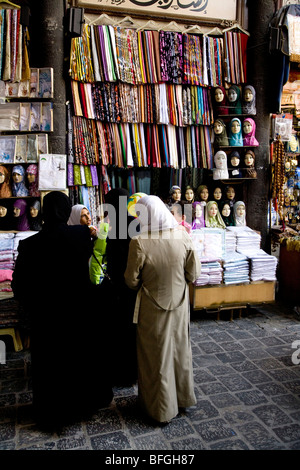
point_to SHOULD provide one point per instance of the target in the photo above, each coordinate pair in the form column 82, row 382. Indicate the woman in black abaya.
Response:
column 51, row 281
column 121, row 299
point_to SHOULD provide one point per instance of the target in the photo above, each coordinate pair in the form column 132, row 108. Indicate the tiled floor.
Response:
column 247, row 384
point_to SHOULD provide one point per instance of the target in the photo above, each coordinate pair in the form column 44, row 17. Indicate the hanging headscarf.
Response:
column 198, row 222
column 249, row 107
column 250, row 139
column 74, row 218
column 228, row 220
column 5, row 188
column 235, row 139
column 235, row 107
column 21, row 221
column 213, row 222
column 19, row 189
column 56, row 209
column 154, row 215
column 35, row 222
column 33, row 187
column 239, row 220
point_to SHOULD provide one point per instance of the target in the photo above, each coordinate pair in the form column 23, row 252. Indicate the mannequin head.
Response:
column 232, row 95
column 203, row 193
column 219, row 95
column 218, row 126
column 226, row 210
column 220, row 160
column 220, row 133
column 18, row 174
column 235, row 126
column 219, row 99
column 235, row 159
column 34, row 209
column 239, row 213
column 247, row 126
column 18, row 186
column 249, row 159
column 213, row 217
column 31, row 173
column 249, row 105
column 212, row 209
column 175, row 194
column 197, row 210
column 5, row 187
column 230, row 193
column 248, row 94
column 3, row 211
column 189, row 194
column 217, row 194
column 35, row 219
column 20, row 214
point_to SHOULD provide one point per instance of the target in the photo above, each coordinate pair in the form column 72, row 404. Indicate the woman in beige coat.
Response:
column 161, row 263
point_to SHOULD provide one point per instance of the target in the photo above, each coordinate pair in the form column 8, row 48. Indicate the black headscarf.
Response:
column 56, row 209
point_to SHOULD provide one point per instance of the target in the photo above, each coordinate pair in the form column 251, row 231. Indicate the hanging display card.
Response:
column 52, row 172
column 7, row 148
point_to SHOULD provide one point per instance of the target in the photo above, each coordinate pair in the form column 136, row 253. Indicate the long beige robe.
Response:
column 161, row 268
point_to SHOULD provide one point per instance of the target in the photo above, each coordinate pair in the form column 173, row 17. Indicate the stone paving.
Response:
column 247, row 383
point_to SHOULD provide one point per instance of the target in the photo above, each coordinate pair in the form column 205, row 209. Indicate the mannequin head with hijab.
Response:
column 249, row 127
column 20, row 215
column 249, row 100
column 32, row 178
column 18, row 187
column 213, row 217
column 5, row 188
column 234, row 100
column 35, row 217
column 239, row 213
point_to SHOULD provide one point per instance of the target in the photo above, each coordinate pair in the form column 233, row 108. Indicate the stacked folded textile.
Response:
column 262, row 265
column 8, row 253
column 211, row 273
column 236, row 268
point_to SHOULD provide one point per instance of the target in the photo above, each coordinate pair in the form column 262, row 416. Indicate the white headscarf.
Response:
column 74, row 218
column 154, row 215
column 239, row 220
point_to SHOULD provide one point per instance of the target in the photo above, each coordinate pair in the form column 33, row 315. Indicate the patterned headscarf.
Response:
column 19, row 189
column 33, row 187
